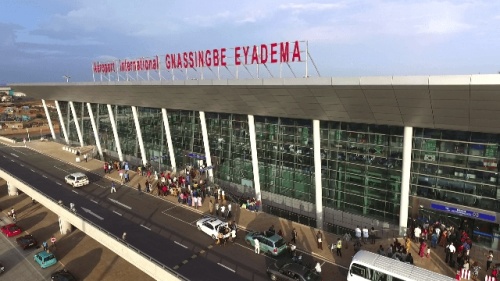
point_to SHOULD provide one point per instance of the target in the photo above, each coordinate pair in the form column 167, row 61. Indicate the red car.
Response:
column 11, row 230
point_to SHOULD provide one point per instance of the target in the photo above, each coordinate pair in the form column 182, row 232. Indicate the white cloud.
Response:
column 306, row 7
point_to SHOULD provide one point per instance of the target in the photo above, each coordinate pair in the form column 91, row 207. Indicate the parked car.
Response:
column 212, row 227
column 11, row 230
column 77, row 179
column 26, row 241
column 62, row 275
column 293, row 272
column 45, row 259
column 269, row 242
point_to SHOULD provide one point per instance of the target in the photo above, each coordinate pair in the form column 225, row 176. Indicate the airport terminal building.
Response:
column 329, row 152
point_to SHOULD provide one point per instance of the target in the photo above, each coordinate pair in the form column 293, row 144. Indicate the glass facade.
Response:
column 360, row 163
column 284, row 150
column 361, row 168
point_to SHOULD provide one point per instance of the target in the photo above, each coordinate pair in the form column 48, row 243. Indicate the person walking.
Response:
column 489, row 260
column 124, row 236
column 319, row 238
column 223, row 211
column 211, row 207
column 53, row 240
column 294, row 236
column 229, row 211
column 139, row 187
column 216, row 208
column 45, row 245
column 339, row 247
column 85, row 157
column 256, row 245
column 372, row 235
column 113, row 187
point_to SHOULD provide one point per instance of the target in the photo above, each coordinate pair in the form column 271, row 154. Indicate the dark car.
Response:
column 62, row 275
column 26, row 241
column 293, row 271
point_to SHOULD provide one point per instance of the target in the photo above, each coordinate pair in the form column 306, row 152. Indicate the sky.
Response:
column 41, row 41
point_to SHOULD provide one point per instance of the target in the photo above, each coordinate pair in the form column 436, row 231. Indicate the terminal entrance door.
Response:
column 482, row 232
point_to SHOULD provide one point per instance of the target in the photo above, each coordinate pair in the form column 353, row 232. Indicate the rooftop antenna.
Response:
column 67, row 77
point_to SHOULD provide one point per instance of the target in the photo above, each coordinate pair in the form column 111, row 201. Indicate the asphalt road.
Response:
column 163, row 230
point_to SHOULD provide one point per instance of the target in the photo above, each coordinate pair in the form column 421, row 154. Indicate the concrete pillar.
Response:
column 115, row 132
column 206, row 144
column 46, row 109
column 255, row 160
column 77, row 125
column 139, row 135
column 405, row 180
column 64, row 226
column 12, row 190
column 61, row 122
column 94, row 129
column 317, row 175
column 169, row 140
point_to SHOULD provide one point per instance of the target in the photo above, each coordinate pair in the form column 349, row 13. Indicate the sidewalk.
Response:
column 262, row 221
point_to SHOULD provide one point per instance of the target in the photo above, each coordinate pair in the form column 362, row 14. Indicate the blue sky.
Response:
column 40, row 41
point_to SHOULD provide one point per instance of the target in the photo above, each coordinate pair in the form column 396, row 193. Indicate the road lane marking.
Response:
column 15, row 155
column 32, row 170
column 74, row 191
column 21, row 165
column 120, row 203
column 146, row 227
column 58, row 183
column 230, row 269
column 183, row 246
column 12, row 160
column 118, row 213
column 101, row 186
column 92, row 213
column 94, row 201
column 44, row 176
column 174, row 217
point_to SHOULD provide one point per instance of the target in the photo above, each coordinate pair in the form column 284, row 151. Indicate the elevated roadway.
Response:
column 160, row 230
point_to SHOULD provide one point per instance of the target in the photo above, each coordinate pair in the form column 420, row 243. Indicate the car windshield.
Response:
column 71, row 177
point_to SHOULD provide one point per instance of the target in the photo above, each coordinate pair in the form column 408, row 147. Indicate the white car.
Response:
column 212, row 227
column 77, row 179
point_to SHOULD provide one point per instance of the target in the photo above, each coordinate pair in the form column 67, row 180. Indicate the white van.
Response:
column 77, row 179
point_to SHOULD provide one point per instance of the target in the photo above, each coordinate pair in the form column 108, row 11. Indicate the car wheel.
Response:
column 274, row 277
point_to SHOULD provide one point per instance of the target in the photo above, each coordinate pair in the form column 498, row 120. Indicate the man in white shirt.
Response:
column 417, row 233
column 357, row 232
column 365, row 234
column 257, row 245
column 452, row 250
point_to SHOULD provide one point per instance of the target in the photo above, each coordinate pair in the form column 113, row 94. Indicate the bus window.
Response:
column 358, row 270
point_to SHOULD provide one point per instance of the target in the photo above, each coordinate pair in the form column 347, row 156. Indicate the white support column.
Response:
column 12, row 190
column 77, row 125
column 317, row 175
column 139, row 135
column 61, row 122
column 169, row 140
column 255, row 159
column 46, row 109
column 64, row 226
column 115, row 132
column 405, row 180
column 206, row 144
column 94, row 128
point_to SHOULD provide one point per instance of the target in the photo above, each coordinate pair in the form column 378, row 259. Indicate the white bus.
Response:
column 368, row 266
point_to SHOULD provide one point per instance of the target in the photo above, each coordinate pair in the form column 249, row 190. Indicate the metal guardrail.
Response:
column 171, row 271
